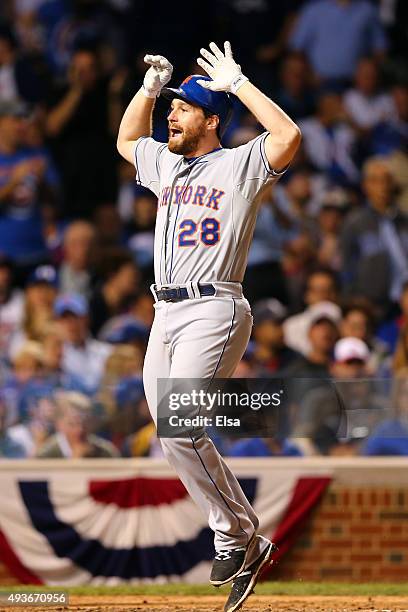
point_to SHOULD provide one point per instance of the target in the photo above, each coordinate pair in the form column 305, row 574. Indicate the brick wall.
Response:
column 355, row 534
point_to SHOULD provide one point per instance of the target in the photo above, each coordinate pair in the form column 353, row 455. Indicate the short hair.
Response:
column 326, row 271
column 65, row 400
column 79, row 224
column 361, row 304
column 113, row 260
column 376, row 160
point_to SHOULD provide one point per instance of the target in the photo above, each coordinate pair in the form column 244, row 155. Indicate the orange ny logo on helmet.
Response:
column 186, row 80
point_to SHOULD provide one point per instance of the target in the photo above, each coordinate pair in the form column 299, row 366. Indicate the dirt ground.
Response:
column 216, row 604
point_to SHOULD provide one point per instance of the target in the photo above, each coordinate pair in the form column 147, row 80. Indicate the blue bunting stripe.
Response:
column 125, row 563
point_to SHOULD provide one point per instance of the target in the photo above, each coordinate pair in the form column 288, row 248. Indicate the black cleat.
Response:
column 228, row 564
column 244, row 584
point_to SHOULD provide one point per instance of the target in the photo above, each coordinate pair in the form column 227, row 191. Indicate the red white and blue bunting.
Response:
column 87, row 523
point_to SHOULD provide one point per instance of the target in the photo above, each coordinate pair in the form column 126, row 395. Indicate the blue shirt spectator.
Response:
column 335, row 34
column 258, row 447
column 27, row 178
column 390, row 438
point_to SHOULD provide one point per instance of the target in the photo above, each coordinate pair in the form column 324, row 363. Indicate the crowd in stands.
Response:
column 327, row 271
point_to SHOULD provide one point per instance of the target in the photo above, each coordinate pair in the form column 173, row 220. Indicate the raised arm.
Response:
column 284, row 135
column 137, row 119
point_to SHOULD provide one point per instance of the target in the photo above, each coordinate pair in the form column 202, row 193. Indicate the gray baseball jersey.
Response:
column 207, row 208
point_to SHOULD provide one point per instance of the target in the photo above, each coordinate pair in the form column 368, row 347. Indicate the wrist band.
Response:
column 237, row 82
column 148, row 94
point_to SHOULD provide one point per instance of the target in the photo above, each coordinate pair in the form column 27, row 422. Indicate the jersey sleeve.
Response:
column 251, row 168
column 148, row 159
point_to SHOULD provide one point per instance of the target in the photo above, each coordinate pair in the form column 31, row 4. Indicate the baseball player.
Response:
column 207, row 207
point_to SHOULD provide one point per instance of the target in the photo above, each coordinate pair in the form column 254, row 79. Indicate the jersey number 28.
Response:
column 209, row 232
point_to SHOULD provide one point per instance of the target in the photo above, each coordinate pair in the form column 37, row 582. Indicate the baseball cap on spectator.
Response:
column 269, row 310
column 351, row 349
column 71, row 303
column 124, row 329
column 129, row 391
column 43, row 275
column 324, row 311
column 13, row 108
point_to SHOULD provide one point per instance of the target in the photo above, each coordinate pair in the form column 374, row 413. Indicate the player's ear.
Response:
column 212, row 122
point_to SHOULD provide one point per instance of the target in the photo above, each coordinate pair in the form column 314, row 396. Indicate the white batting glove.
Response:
column 226, row 74
column 158, row 75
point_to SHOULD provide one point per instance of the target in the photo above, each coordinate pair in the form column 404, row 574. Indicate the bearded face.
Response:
column 187, row 127
column 185, row 141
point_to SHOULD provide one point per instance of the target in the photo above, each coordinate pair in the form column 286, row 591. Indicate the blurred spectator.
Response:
column 375, row 240
column 11, row 305
column 19, row 78
column 40, row 293
column 391, row 436
column 27, row 27
column 75, row 275
column 127, row 191
column 52, row 224
column 322, row 336
column 298, row 261
column 292, row 199
column 9, row 448
column 35, row 427
column 125, row 329
column 358, row 321
column 69, row 25
column 78, row 124
column 109, row 231
column 121, row 281
column 366, row 104
column 321, row 295
column 141, row 241
column 295, row 94
column 83, row 357
column 143, row 443
column 325, row 26
column 264, row 276
column 140, row 306
column 27, row 182
column 55, row 376
column 388, row 331
column 329, row 141
column 270, row 351
column 343, row 407
column 121, row 392
column 398, row 161
column 312, row 369
column 73, row 437
column 28, row 362
column 391, row 136
column 24, row 381
column 264, row 447
column 259, row 31
column 330, row 220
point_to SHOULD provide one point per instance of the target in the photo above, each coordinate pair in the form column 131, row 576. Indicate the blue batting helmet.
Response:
column 215, row 102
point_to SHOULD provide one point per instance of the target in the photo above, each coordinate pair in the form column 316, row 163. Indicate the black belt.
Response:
column 177, row 294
